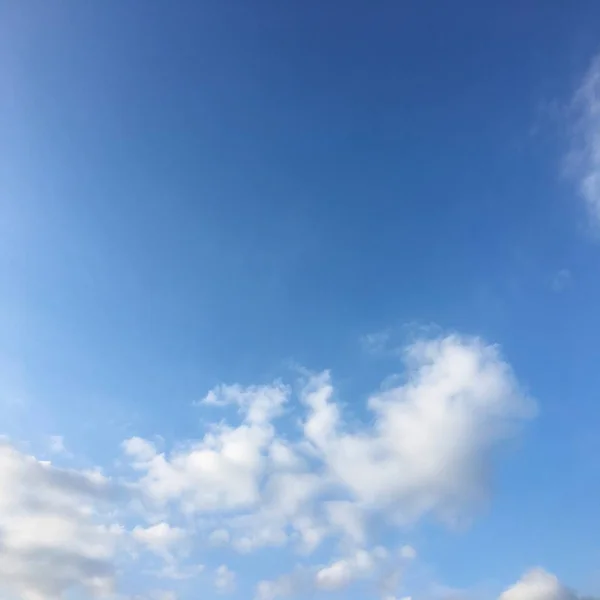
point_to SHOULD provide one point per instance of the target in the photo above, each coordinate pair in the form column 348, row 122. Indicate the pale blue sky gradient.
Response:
column 202, row 192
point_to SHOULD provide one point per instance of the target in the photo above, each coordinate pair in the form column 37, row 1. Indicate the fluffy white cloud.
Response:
column 52, row 538
column 432, row 437
column 259, row 404
column 160, row 538
column 585, row 158
column 538, row 584
column 286, row 511
column 219, row 537
column 339, row 574
column 285, row 586
column 247, row 469
column 223, row 470
column 425, row 450
column 224, row 580
column 348, row 519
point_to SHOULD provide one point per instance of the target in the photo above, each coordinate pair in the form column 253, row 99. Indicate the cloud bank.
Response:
column 424, row 449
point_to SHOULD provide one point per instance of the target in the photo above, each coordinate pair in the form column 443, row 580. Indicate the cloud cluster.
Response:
column 379, row 565
column 538, row 584
column 160, row 538
column 221, row 472
column 427, row 452
column 51, row 535
column 424, row 449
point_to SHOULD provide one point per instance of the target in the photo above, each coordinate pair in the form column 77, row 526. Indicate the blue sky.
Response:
column 299, row 294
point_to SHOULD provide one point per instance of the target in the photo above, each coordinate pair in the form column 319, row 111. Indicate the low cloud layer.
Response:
column 538, row 584
column 425, row 449
column 53, row 529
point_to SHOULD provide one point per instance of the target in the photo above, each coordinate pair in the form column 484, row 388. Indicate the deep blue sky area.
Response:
column 197, row 192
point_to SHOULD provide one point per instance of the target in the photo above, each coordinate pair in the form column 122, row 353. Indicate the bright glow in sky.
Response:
column 299, row 300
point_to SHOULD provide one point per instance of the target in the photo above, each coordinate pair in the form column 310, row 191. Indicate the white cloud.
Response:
column 159, row 538
column 172, row 570
column 246, row 469
column 378, row 565
column 376, row 343
column 140, row 450
column 408, row 552
column 285, row 586
column 347, row 518
column 219, row 537
column 259, row 404
column 52, row 538
column 224, row 580
column 336, row 576
column 341, row 573
column 585, row 157
column 538, row 584
column 424, row 450
column 432, row 437
column 283, row 457
column 427, row 451
column 222, row 471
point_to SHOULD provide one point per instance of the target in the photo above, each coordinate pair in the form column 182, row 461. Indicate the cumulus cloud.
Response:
column 425, row 449
column 535, row 584
column 247, row 469
column 348, row 519
column 219, row 537
column 538, row 584
column 285, row 586
column 224, row 580
column 223, row 470
column 341, row 573
column 432, row 437
column 52, row 538
column 333, row 577
column 259, row 404
column 585, row 157
column 160, row 538
column 286, row 511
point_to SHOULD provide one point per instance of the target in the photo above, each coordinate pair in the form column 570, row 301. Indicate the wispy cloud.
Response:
column 376, row 342
column 584, row 159
column 561, row 280
column 224, row 580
